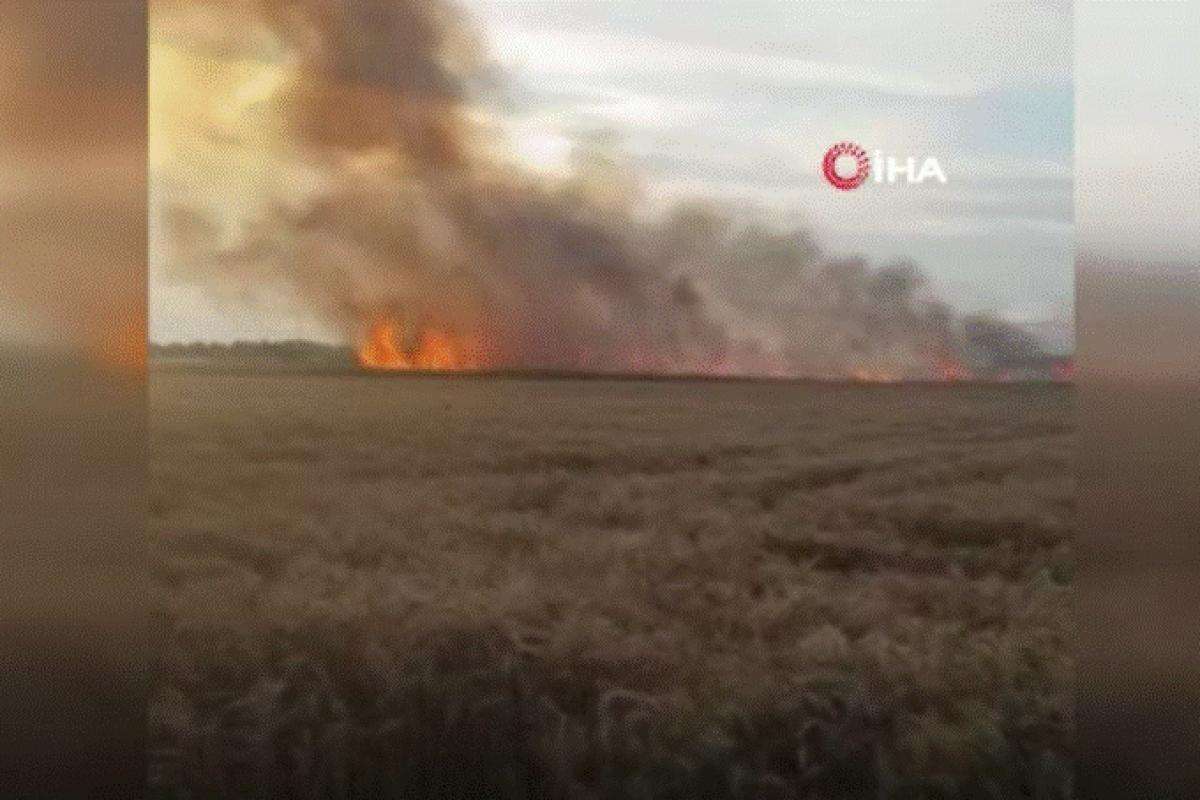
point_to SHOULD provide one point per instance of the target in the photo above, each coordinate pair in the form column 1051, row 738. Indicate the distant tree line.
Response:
column 290, row 350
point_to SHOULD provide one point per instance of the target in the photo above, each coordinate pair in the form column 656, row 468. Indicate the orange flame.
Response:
column 951, row 369
column 865, row 375
column 385, row 349
column 380, row 351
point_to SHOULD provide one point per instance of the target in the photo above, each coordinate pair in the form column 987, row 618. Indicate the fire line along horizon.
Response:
column 847, row 166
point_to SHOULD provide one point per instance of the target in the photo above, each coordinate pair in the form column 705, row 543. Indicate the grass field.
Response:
column 425, row 587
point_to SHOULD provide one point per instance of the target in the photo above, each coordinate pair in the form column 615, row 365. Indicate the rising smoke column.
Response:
column 328, row 152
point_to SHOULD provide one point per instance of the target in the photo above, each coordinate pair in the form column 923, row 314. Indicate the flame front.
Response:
column 949, row 370
column 386, row 348
column 380, row 351
column 866, row 375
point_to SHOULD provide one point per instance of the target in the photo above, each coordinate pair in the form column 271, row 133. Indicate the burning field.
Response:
column 332, row 162
column 508, row 588
column 477, row 580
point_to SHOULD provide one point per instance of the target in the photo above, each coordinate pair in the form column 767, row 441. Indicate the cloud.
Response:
column 743, row 105
column 573, row 54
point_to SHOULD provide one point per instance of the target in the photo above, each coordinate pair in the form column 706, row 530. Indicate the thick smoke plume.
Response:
column 340, row 161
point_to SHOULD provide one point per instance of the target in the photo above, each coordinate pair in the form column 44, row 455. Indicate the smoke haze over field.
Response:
column 327, row 158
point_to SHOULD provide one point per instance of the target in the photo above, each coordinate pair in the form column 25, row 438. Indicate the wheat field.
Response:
column 460, row 587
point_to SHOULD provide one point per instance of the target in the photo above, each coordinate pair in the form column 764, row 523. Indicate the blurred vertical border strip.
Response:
column 73, row 576
column 1137, row 74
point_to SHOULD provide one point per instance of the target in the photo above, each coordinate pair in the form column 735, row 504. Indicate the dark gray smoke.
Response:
column 408, row 213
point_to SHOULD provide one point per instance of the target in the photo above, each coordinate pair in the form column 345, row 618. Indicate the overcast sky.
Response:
column 1138, row 105
column 738, row 101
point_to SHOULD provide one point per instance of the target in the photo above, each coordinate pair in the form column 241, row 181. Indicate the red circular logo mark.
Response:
column 863, row 166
